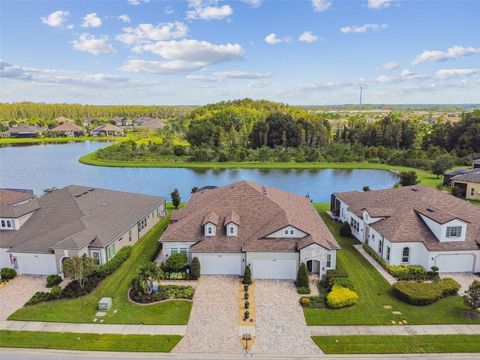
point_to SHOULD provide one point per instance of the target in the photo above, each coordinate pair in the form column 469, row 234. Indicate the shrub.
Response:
column 303, row 290
column 247, row 314
column 53, row 280
column 419, row 293
column 341, row 297
column 56, row 291
column 247, row 275
column 195, row 268
column 345, row 230
column 39, row 297
column 8, row 273
column 305, row 301
column 114, row 263
column 472, row 296
column 176, row 262
column 302, row 277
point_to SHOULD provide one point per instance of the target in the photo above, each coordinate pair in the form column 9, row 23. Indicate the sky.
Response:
column 193, row 52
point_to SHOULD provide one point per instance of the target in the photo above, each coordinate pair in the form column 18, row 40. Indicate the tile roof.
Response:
column 107, row 127
column 10, row 197
column 261, row 211
column 472, row 176
column 25, row 129
column 67, row 127
column 402, row 221
column 75, row 216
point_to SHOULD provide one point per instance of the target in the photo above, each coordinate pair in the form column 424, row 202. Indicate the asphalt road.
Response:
column 27, row 354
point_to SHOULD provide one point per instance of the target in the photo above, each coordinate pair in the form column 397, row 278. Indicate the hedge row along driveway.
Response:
column 375, row 293
column 83, row 309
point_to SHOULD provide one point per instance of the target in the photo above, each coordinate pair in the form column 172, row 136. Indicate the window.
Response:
column 388, row 253
column 142, row 224
column 209, row 230
column 9, row 224
column 130, row 238
column 292, row 231
column 454, row 231
column 329, row 261
column 285, row 232
column 110, row 251
column 96, row 257
column 173, row 251
column 232, row 230
column 183, row 250
column 380, row 247
column 405, row 255
column 3, row 223
column 354, row 224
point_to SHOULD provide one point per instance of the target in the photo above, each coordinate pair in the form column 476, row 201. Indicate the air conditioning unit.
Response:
column 105, row 303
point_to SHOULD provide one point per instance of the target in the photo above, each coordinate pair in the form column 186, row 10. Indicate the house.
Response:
column 271, row 230
column 24, row 131
column 476, row 164
column 38, row 234
column 63, row 120
column 107, row 130
column 469, row 183
column 68, row 129
column 447, row 178
column 414, row 225
column 9, row 197
column 150, row 124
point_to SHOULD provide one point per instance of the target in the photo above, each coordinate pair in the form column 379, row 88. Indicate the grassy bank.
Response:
column 59, row 140
column 88, row 342
column 405, row 344
column 83, row 309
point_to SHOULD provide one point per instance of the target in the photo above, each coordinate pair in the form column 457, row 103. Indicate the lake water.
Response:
column 43, row 166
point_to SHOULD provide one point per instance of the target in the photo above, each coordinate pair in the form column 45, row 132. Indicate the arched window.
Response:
column 406, row 255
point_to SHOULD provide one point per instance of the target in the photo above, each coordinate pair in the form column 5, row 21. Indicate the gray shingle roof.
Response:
column 10, row 197
column 75, row 216
column 472, row 176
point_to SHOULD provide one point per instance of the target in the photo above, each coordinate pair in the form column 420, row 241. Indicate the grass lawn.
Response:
column 83, row 309
column 374, row 293
column 404, row 344
column 88, row 342
column 59, row 140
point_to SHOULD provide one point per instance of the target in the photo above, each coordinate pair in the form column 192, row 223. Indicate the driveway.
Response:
column 280, row 324
column 213, row 324
column 15, row 293
column 464, row 279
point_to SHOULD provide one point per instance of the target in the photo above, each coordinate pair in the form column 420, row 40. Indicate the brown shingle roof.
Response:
column 262, row 211
column 67, row 127
column 405, row 224
column 107, row 127
column 10, row 197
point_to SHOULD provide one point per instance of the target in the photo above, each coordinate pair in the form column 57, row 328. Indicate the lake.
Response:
column 39, row 167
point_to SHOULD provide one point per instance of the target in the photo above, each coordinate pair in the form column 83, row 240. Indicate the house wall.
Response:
column 440, row 230
column 476, row 191
column 317, row 252
column 5, row 259
column 279, row 233
column 168, row 245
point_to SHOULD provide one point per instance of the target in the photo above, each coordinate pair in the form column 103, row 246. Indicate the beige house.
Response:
column 246, row 223
column 36, row 235
column 68, row 129
column 107, row 130
column 469, row 183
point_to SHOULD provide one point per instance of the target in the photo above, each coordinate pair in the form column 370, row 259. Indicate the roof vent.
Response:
column 430, row 210
column 414, row 189
column 264, row 191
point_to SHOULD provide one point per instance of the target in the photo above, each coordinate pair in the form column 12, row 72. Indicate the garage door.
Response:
column 274, row 269
column 455, row 263
column 220, row 264
column 36, row 264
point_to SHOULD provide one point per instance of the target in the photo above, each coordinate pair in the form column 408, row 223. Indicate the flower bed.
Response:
column 165, row 292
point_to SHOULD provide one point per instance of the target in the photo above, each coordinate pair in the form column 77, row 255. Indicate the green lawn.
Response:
column 88, row 342
column 59, row 140
column 83, row 309
column 405, row 344
column 374, row 293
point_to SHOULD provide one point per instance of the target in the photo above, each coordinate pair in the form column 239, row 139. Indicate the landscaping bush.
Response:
column 114, row 263
column 420, row 293
column 180, row 275
column 7, row 273
column 195, row 268
column 176, row 262
column 472, row 296
column 341, row 297
column 345, row 230
column 53, row 280
column 303, row 290
column 39, row 297
column 247, row 276
column 56, row 291
column 302, row 278
column 305, row 301
column 338, row 277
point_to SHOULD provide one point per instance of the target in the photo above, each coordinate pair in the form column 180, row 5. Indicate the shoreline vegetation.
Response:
column 55, row 140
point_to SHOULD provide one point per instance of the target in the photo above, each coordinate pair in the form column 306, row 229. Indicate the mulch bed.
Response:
column 472, row 315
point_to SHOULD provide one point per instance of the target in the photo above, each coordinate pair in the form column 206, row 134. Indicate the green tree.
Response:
column 176, row 262
column 149, row 272
column 472, row 296
column 441, row 165
column 408, row 178
column 366, row 188
column 195, row 269
column 302, row 277
column 78, row 268
column 247, row 275
column 176, row 198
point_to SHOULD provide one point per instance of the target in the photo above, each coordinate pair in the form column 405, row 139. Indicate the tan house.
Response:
column 68, row 129
column 469, row 183
column 271, row 230
column 107, row 130
column 36, row 235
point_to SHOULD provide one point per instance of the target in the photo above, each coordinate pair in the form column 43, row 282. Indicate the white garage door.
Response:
column 455, row 263
column 274, row 269
column 36, row 264
column 220, row 264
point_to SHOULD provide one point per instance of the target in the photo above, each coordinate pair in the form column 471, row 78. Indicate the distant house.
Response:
column 414, row 225
column 68, row 129
column 63, row 119
column 10, row 197
column 107, row 130
column 469, row 183
column 447, row 178
column 37, row 235
column 246, row 223
column 151, row 124
column 24, row 131
column 87, row 121
column 476, row 164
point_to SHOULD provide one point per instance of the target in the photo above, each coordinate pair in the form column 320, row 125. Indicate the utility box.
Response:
column 105, row 303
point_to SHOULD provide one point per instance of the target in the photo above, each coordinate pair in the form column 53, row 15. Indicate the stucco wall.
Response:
column 317, row 252
column 476, row 191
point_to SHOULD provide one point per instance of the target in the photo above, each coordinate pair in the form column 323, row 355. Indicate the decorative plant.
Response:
column 247, row 275
column 195, row 268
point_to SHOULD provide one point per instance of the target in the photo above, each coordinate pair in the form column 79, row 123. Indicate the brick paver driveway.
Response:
column 213, row 324
column 280, row 324
column 15, row 293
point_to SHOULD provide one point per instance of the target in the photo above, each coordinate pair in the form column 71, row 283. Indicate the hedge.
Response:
column 338, row 277
column 341, row 297
column 419, row 293
column 7, row 273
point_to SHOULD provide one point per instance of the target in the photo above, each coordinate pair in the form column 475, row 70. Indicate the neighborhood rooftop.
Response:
column 472, row 176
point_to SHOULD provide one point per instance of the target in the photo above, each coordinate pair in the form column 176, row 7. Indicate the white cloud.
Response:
column 253, row 3
column 93, row 45
column 124, row 18
column 321, row 5
column 392, row 65
column 362, row 29
column 207, row 10
column 273, row 39
column 308, row 37
column 168, row 10
column 226, row 75
column 379, row 4
column 137, row 2
column 91, row 21
column 183, row 55
column 148, row 32
column 454, row 52
column 452, row 73
column 56, row 19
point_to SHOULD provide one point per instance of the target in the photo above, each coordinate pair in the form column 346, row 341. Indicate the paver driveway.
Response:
column 280, row 324
column 15, row 293
column 213, row 324
column 464, row 279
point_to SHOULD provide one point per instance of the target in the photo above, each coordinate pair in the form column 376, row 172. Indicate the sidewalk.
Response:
column 390, row 279
column 395, row 330
column 93, row 328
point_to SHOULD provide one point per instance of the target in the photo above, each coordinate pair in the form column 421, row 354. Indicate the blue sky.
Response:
column 200, row 51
